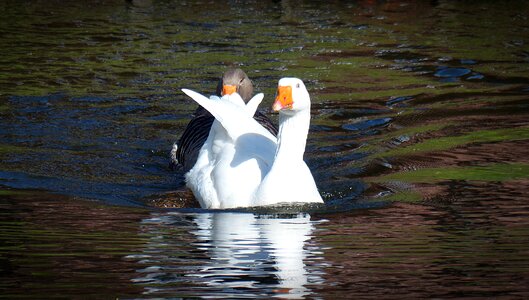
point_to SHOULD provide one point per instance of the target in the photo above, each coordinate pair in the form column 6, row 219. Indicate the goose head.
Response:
column 235, row 81
column 292, row 96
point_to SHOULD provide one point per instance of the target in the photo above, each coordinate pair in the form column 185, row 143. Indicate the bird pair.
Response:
column 234, row 156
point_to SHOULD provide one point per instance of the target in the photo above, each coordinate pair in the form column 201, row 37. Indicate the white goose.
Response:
column 242, row 164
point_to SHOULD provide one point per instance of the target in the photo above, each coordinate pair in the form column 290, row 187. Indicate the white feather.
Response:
column 240, row 164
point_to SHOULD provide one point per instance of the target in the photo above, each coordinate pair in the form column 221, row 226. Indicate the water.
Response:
column 419, row 144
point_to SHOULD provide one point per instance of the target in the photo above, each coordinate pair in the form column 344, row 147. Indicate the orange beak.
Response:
column 228, row 89
column 284, row 98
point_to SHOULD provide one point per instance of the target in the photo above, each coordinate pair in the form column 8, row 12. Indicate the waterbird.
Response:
column 185, row 152
column 242, row 164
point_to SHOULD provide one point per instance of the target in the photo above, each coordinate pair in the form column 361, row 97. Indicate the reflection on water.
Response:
column 241, row 253
column 56, row 247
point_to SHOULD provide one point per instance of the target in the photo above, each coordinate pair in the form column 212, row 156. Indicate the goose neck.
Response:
column 292, row 135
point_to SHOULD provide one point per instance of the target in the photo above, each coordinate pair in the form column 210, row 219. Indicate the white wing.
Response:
column 235, row 119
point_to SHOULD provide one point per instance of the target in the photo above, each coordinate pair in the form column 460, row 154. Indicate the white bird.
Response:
column 185, row 153
column 242, row 164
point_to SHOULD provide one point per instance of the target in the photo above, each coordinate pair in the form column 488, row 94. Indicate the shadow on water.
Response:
column 419, row 144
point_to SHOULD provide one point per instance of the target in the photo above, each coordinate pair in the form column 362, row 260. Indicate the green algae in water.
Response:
column 496, row 172
column 404, row 196
column 443, row 143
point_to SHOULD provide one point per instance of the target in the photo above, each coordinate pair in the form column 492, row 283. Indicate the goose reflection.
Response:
column 248, row 250
column 228, row 254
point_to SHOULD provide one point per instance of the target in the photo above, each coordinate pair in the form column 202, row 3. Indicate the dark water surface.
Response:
column 419, row 144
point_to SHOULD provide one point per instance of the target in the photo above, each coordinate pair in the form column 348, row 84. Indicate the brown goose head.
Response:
column 235, row 80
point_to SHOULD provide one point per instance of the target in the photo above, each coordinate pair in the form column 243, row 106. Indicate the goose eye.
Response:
column 297, row 85
column 240, row 82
